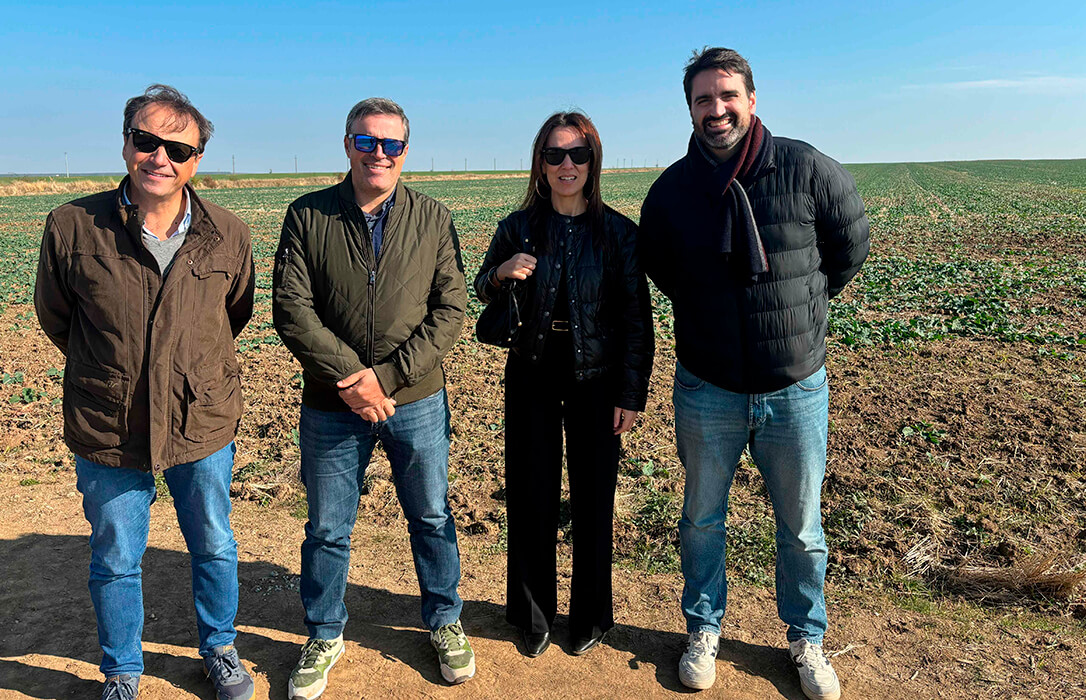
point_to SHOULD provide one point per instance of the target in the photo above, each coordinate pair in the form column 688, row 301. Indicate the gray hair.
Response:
column 172, row 98
column 378, row 105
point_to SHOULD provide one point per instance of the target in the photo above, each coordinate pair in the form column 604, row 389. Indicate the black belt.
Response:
column 560, row 326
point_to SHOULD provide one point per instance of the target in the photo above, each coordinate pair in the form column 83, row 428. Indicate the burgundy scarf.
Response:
column 730, row 179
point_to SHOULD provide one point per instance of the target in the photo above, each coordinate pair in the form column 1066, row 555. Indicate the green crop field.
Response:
column 958, row 378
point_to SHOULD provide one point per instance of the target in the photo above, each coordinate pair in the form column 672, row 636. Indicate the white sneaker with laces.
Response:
column 697, row 667
column 816, row 675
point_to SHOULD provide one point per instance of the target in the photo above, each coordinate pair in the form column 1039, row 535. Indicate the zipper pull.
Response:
column 373, row 277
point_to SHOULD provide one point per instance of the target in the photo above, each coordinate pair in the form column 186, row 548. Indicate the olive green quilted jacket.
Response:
column 340, row 311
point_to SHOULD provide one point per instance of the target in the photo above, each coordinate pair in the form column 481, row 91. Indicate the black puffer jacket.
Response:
column 610, row 313
column 755, row 335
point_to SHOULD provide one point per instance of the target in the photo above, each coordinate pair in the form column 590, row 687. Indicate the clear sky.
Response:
column 862, row 81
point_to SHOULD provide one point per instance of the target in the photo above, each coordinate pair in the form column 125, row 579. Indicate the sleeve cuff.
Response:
column 389, row 377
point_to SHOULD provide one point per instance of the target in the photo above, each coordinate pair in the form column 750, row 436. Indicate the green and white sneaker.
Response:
column 310, row 676
column 454, row 652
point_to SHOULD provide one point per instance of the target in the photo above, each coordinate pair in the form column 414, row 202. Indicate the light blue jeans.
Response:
column 336, row 448
column 786, row 431
column 117, row 504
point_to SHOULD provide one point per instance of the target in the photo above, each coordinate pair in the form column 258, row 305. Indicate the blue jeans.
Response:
column 336, row 449
column 117, row 503
column 786, row 431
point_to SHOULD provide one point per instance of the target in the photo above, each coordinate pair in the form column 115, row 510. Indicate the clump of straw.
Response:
column 1030, row 579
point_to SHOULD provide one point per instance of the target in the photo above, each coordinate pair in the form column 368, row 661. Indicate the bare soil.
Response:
column 972, row 449
column 48, row 649
column 1010, row 442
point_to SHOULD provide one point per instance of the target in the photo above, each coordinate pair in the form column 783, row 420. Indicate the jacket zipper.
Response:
column 373, row 288
column 373, row 305
column 373, row 276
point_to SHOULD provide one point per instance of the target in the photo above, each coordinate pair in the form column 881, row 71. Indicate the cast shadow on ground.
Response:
column 47, row 610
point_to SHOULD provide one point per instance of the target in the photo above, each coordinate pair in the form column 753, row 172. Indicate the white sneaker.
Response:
column 697, row 667
column 816, row 675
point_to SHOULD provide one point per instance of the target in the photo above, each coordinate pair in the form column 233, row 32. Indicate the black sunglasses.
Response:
column 176, row 151
column 578, row 154
column 368, row 144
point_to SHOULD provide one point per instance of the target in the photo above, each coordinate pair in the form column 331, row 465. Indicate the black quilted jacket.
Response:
column 610, row 313
column 743, row 334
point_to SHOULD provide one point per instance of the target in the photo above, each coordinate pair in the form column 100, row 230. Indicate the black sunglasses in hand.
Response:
column 578, row 154
column 364, row 143
column 146, row 142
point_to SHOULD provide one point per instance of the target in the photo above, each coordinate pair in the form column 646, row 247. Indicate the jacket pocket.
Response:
column 212, row 401
column 214, row 265
column 95, row 405
column 213, row 279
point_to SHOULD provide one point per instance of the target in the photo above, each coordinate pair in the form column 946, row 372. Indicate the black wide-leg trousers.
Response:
column 539, row 401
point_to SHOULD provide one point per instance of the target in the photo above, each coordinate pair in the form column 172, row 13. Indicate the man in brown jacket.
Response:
column 369, row 296
column 143, row 289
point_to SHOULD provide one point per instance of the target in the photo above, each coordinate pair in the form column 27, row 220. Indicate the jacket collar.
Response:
column 345, row 189
column 346, row 192
column 132, row 218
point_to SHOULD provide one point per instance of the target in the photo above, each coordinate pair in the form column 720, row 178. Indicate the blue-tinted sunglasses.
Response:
column 368, row 144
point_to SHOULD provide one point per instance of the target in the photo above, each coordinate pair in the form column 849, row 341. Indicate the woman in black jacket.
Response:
column 581, row 361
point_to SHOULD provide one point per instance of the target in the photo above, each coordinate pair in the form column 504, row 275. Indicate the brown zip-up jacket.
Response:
column 340, row 311
column 151, row 378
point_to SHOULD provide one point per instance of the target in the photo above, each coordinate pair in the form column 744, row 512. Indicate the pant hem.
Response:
column 692, row 627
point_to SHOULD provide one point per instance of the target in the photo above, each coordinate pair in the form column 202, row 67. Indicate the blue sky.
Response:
column 863, row 82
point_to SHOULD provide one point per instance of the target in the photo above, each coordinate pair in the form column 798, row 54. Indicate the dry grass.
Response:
column 52, row 185
column 1031, row 578
column 1028, row 580
column 20, row 188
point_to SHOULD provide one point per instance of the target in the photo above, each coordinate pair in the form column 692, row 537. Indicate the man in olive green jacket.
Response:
column 143, row 289
column 369, row 296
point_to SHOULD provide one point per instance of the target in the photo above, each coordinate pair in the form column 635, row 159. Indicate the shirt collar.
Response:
column 385, row 206
column 186, row 220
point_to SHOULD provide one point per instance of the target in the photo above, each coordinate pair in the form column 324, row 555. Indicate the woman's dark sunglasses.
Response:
column 578, row 154
column 148, row 143
column 368, row 144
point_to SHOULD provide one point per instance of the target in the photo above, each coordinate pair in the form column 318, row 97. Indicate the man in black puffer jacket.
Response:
column 750, row 235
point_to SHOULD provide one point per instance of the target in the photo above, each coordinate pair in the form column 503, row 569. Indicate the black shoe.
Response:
column 535, row 643
column 583, row 645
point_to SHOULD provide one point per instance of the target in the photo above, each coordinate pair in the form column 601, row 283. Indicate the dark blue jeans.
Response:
column 117, row 503
column 786, row 431
column 336, row 449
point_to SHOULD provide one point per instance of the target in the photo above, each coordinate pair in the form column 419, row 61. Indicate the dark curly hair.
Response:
column 177, row 102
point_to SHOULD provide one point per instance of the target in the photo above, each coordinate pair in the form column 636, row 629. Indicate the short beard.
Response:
column 722, row 141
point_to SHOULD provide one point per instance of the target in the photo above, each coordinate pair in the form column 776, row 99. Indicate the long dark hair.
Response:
column 537, row 202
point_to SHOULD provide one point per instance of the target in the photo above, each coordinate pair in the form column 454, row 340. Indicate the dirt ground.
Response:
column 971, row 448
column 1007, row 461
column 48, row 650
